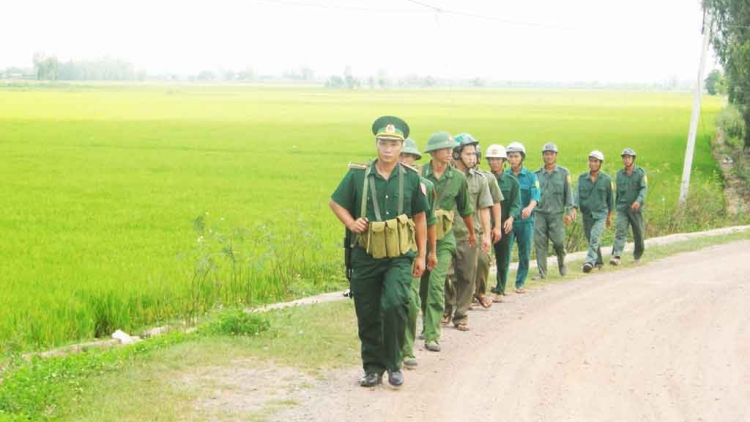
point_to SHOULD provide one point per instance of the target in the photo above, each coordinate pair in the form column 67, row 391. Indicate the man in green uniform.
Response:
column 632, row 184
column 555, row 205
column 483, row 261
column 595, row 200
column 409, row 155
column 452, row 193
column 523, row 228
column 510, row 209
column 462, row 283
column 383, row 204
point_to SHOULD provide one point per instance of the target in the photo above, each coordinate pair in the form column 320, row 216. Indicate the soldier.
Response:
column 458, row 299
column 383, row 204
column 555, row 205
column 483, row 262
column 452, row 193
column 632, row 185
column 409, row 155
column 510, row 209
column 523, row 228
column 594, row 199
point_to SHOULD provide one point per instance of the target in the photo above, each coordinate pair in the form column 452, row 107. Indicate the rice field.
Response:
column 124, row 206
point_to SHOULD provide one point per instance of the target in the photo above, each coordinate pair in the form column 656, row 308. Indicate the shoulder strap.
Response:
column 363, row 209
column 401, row 171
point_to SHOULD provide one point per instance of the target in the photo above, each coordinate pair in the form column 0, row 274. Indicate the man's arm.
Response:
column 355, row 226
column 420, row 226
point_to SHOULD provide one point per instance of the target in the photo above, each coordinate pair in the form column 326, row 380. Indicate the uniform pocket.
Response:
column 439, row 226
column 376, row 240
column 405, row 233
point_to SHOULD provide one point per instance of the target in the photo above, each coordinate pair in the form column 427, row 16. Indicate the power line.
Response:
column 486, row 17
column 336, row 7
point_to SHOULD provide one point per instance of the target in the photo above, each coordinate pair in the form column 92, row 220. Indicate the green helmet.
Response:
column 549, row 146
column 628, row 151
column 410, row 147
column 440, row 140
column 464, row 139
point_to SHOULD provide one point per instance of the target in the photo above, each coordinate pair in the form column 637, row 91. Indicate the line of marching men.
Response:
column 421, row 236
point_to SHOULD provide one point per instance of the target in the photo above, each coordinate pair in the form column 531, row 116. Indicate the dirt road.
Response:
column 668, row 341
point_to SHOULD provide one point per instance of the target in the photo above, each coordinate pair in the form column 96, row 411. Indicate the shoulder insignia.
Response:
column 358, row 166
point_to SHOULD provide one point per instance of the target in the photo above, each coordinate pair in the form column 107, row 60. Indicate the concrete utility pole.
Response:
column 685, row 185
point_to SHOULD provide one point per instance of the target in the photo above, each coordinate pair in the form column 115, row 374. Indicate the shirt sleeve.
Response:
column 536, row 192
column 431, row 197
column 568, row 193
column 610, row 197
column 419, row 198
column 577, row 194
column 515, row 204
column 643, row 188
column 485, row 198
column 463, row 204
column 345, row 194
column 497, row 194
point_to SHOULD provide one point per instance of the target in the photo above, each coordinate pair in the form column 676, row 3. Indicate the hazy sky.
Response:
column 550, row 40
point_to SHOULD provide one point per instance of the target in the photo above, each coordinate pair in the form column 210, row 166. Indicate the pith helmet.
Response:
column 516, row 147
column 549, row 146
column 628, row 151
column 390, row 128
column 597, row 154
column 496, row 151
column 440, row 140
column 410, row 147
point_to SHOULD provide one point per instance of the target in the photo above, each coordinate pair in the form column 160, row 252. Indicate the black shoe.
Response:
column 587, row 267
column 395, row 378
column 563, row 270
column 371, row 380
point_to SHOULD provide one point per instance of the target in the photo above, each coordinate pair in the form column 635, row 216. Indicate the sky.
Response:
column 619, row 41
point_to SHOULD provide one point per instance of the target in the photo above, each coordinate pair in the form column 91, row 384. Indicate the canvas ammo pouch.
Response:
column 444, row 222
column 390, row 238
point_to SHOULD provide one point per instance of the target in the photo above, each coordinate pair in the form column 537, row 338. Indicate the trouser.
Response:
column 483, row 273
column 522, row 232
column 432, row 288
column 593, row 228
column 381, row 300
column 460, row 292
column 502, row 260
column 411, row 319
column 548, row 226
column 625, row 218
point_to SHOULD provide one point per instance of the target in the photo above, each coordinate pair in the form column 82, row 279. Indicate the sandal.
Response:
column 521, row 291
column 497, row 298
column 485, row 301
column 462, row 326
column 445, row 320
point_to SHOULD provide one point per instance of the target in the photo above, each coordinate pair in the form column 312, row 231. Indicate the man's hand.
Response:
column 472, row 239
column 526, row 212
column 497, row 234
column 486, row 243
column 573, row 214
column 508, row 225
column 431, row 260
column 358, row 226
column 567, row 219
column 609, row 220
column 418, row 267
column 636, row 206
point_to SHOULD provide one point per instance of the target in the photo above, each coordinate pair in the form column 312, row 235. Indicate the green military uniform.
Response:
column 414, row 300
column 595, row 200
column 511, row 207
column 483, row 262
column 630, row 188
column 523, row 228
column 556, row 199
column 452, row 193
column 462, row 283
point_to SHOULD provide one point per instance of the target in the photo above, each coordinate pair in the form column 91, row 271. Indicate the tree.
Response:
column 714, row 82
column 731, row 42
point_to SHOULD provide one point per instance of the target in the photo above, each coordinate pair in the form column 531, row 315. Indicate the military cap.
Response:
column 410, row 147
column 496, row 151
column 390, row 128
column 440, row 140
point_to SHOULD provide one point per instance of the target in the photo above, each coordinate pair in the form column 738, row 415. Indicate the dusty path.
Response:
column 668, row 341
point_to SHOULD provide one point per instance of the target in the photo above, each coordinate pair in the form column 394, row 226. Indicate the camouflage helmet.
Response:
column 463, row 140
column 410, row 147
column 496, row 151
column 597, row 154
column 440, row 140
column 549, row 146
column 516, row 147
column 628, row 151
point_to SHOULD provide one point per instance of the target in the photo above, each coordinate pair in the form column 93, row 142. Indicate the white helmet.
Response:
column 516, row 147
column 495, row 151
column 597, row 154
